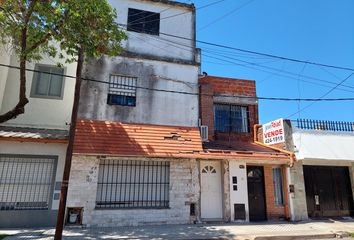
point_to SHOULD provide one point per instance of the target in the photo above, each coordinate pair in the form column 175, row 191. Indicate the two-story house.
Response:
column 137, row 136
column 33, row 146
column 242, row 180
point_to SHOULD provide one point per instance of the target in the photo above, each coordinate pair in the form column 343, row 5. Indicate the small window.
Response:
column 230, row 118
column 143, row 21
column 48, row 82
column 278, row 186
column 122, row 90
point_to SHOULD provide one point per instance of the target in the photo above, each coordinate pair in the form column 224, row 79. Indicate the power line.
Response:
column 322, row 97
column 175, row 15
column 246, row 64
column 225, row 15
column 254, row 52
column 190, row 93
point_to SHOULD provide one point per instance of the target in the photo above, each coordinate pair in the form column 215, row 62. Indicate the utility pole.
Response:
column 69, row 150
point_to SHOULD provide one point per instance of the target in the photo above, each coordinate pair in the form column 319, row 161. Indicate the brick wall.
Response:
column 210, row 86
column 274, row 212
column 184, row 189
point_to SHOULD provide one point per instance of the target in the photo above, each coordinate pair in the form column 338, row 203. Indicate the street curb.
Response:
column 297, row 237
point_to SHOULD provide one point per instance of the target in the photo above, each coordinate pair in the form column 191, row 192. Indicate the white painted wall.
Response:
column 152, row 107
column 46, row 149
column 324, row 145
column 4, row 59
column 181, row 25
column 241, row 195
column 39, row 112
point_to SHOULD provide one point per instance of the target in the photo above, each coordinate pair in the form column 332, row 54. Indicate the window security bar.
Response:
column 133, row 184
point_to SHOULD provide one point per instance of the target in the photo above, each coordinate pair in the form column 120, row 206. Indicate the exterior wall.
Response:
column 225, row 165
column 297, row 199
column 36, row 218
column 182, row 25
column 241, row 195
column 228, row 91
column 184, row 189
column 274, row 211
column 39, row 112
column 152, row 107
column 322, row 144
column 4, row 59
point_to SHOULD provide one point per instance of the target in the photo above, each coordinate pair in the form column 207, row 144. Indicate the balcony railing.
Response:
column 336, row 126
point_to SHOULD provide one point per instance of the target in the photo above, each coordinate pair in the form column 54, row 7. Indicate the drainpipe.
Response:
column 255, row 139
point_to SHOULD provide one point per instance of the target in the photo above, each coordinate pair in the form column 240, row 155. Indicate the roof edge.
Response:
column 173, row 3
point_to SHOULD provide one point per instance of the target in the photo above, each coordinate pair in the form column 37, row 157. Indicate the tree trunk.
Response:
column 69, row 151
column 20, row 106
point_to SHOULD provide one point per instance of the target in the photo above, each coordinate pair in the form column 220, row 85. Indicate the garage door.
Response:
column 328, row 191
column 26, row 182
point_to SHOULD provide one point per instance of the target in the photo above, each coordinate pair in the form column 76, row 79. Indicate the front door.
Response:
column 328, row 191
column 256, row 195
column 211, row 191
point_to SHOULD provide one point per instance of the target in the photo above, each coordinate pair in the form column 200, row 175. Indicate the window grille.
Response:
column 48, row 81
column 230, row 118
column 143, row 21
column 278, row 186
column 26, row 182
column 122, row 90
column 133, row 184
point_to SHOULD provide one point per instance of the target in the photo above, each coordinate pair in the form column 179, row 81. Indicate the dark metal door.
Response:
column 256, row 196
column 328, row 191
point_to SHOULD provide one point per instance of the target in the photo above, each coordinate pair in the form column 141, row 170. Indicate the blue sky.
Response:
column 312, row 30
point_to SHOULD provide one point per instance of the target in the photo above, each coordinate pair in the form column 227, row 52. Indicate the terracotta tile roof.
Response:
column 236, row 146
column 125, row 139
column 10, row 133
column 248, row 151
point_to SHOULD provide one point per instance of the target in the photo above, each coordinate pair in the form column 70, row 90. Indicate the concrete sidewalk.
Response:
column 267, row 230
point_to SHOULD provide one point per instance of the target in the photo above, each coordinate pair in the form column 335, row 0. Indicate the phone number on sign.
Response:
column 274, row 139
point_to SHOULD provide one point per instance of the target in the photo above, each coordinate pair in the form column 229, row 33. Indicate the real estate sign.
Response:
column 273, row 132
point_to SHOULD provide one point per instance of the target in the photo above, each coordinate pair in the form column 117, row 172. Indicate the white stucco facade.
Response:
column 161, row 66
column 240, row 196
column 323, row 145
column 162, row 45
column 39, row 112
column 42, row 114
column 152, row 106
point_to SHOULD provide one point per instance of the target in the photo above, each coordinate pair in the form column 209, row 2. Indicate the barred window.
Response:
column 278, row 186
column 133, row 184
column 122, row 90
column 143, row 21
column 230, row 118
column 26, row 183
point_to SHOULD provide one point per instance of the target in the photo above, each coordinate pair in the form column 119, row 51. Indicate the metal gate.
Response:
column 26, row 182
column 328, row 191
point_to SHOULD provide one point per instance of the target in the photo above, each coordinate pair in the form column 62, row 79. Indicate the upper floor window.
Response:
column 143, row 21
column 122, row 90
column 48, row 82
column 230, row 118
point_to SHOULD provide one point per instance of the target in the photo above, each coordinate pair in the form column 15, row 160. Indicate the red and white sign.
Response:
column 273, row 132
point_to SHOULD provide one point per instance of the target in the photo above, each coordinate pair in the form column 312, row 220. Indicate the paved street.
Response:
column 282, row 230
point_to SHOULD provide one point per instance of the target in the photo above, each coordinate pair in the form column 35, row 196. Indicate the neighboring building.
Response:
column 246, row 181
column 323, row 175
column 152, row 60
column 136, row 147
column 33, row 146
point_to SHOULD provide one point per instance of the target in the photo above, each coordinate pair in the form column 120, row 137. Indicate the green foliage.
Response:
column 89, row 24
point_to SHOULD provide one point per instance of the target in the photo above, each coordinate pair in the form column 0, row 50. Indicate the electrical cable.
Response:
column 191, row 93
column 322, row 97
